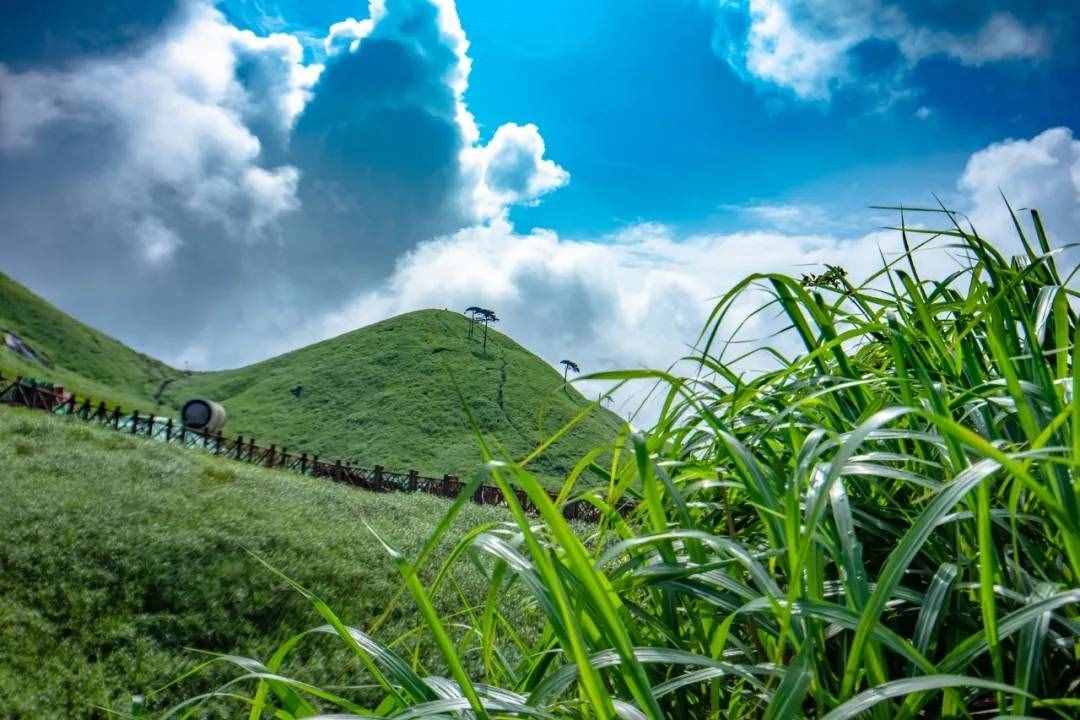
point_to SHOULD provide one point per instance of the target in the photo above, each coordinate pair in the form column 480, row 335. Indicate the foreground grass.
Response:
column 118, row 554
column 885, row 524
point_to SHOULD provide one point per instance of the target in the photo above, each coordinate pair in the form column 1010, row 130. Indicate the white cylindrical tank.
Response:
column 203, row 415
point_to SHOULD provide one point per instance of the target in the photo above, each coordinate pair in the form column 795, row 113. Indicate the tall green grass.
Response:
column 883, row 524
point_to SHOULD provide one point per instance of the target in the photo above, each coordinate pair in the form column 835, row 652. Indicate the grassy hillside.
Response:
column 116, row 554
column 383, row 394
column 79, row 357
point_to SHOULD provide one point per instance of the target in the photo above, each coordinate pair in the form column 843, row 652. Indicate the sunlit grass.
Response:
column 885, row 523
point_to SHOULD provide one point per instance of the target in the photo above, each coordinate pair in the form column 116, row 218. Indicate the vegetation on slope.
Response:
column 79, row 357
column 386, row 394
column 117, row 554
column 886, row 524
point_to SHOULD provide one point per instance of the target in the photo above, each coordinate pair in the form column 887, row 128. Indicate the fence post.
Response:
column 217, row 443
column 303, row 463
column 239, row 446
column 314, row 465
column 183, row 435
column 273, row 452
column 251, row 449
column 150, row 427
column 337, row 471
column 168, row 431
column 134, row 421
column 284, row 457
column 378, row 472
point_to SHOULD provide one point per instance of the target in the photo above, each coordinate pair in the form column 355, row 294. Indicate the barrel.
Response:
column 203, row 415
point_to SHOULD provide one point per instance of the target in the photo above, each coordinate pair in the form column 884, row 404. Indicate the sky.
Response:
column 218, row 182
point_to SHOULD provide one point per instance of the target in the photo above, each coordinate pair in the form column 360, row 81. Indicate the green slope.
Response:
column 78, row 356
column 383, row 394
column 117, row 554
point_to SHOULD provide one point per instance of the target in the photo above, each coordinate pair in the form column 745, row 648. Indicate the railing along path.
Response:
column 27, row 393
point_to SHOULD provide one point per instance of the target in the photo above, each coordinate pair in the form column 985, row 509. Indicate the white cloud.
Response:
column 1042, row 172
column 511, row 168
column 806, row 46
column 184, row 121
column 788, row 217
column 634, row 299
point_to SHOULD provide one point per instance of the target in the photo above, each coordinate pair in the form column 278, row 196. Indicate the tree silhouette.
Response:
column 473, row 312
column 568, row 365
column 487, row 317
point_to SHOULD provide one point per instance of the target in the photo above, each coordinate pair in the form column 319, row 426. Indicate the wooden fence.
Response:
column 30, row 394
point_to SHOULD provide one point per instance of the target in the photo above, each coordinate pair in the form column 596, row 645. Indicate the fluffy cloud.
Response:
column 634, row 299
column 211, row 167
column 509, row 169
column 1042, row 172
column 180, row 125
column 638, row 298
column 809, row 47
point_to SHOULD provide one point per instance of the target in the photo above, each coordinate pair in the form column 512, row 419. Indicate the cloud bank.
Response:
column 811, row 48
column 238, row 188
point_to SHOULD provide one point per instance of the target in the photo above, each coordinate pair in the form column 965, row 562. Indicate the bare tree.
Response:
column 568, row 365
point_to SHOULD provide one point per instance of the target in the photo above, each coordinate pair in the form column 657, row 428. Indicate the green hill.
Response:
column 383, row 394
column 118, row 555
column 76, row 355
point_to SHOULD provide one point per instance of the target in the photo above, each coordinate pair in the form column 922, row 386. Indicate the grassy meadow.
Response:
column 884, row 525
column 121, row 558
column 380, row 395
column 386, row 394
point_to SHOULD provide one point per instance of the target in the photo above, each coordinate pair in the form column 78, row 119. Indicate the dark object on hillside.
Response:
column 475, row 313
column 486, row 317
column 15, row 344
column 568, row 365
column 203, row 415
column 297, row 391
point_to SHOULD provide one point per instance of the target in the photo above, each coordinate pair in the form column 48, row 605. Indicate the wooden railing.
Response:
column 28, row 393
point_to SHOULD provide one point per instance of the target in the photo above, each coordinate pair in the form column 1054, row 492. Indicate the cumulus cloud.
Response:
column 511, row 169
column 1042, row 172
column 213, row 167
column 180, row 114
column 810, row 47
column 637, row 298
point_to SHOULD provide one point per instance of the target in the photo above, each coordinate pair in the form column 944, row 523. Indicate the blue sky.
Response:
column 653, row 124
column 596, row 170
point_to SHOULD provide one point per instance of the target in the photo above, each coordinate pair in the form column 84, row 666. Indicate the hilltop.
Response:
column 391, row 393
column 386, row 393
